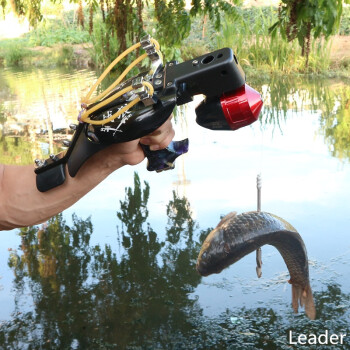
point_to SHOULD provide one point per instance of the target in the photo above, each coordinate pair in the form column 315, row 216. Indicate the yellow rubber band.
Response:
column 105, row 102
column 85, row 115
column 120, row 78
column 87, row 100
column 149, row 86
column 107, row 70
column 115, row 115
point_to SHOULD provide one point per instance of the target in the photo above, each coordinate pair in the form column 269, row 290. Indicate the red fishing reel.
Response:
column 231, row 111
column 241, row 107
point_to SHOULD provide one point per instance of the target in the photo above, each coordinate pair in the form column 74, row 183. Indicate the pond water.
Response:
column 112, row 274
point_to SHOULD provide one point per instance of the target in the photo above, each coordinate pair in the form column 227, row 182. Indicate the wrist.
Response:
column 108, row 159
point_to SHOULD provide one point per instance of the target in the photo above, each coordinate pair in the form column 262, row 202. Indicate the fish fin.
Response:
column 227, row 217
column 308, row 302
column 258, row 262
column 303, row 297
column 296, row 291
column 258, row 271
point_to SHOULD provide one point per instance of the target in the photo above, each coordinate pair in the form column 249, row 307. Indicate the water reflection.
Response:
column 331, row 98
column 40, row 104
column 85, row 294
column 336, row 126
column 37, row 106
column 71, row 294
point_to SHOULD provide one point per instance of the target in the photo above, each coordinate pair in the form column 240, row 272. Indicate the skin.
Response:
column 21, row 204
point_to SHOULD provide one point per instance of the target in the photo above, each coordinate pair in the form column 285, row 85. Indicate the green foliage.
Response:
column 182, row 34
column 104, row 46
column 14, row 53
column 65, row 56
column 344, row 28
column 248, row 34
column 52, row 32
column 3, row 116
column 302, row 20
column 49, row 33
column 31, row 9
column 173, row 21
column 124, row 23
column 214, row 9
column 202, row 38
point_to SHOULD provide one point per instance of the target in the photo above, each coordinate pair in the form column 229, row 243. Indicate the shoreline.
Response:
column 80, row 56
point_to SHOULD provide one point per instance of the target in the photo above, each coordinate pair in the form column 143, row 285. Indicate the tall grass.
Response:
column 14, row 53
column 247, row 32
column 105, row 49
column 104, row 46
column 50, row 33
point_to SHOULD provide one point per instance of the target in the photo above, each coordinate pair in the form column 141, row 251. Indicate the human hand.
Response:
column 131, row 153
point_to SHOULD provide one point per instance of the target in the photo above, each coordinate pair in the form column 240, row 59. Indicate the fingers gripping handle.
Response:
column 157, row 160
column 164, row 159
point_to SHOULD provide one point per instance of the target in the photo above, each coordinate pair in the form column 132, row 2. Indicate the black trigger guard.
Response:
column 83, row 150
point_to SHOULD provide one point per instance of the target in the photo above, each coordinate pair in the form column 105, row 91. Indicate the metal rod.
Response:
column 258, row 186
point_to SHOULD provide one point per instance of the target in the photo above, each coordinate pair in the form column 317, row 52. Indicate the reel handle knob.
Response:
column 164, row 159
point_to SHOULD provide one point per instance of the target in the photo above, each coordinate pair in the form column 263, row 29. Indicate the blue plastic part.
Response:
column 164, row 159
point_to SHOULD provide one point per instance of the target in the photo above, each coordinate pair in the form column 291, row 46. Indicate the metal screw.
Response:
column 170, row 83
column 53, row 157
column 73, row 126
column 158, row 76
column 158, row 82
column 92, row 136
column 38, row 162
column 195, row 62
column 171, row 64
column 66, row 143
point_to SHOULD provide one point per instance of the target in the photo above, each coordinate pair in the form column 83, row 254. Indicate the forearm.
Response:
column 21, row 204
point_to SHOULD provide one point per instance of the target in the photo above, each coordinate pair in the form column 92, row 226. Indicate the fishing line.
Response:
column 258, row 187
column 258, row 251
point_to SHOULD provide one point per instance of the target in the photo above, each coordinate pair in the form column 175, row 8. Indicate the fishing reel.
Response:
column 134, row 108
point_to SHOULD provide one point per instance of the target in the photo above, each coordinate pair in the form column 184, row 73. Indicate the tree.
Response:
column 124, row 19
column 302, row 20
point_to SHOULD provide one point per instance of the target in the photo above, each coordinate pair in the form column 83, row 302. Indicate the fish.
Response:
column 237, row 235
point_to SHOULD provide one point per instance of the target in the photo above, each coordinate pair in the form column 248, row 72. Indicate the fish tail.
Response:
column 303, row 297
